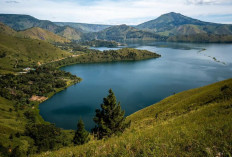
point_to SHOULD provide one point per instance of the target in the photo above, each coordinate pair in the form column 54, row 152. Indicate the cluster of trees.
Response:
column 39, row 82
column 45, row 136
column 109, row 121
column 19, row 89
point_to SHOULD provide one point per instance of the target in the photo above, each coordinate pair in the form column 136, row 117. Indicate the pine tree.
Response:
column 110, row 119
column 81, row 135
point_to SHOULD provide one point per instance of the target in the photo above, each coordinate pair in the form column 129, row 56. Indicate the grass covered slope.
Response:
column 33, row 33
column 7, row 30
column 17, row 53
column 196, row 122
column 42, row 34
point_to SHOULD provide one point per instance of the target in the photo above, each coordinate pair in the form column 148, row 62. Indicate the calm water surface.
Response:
column 138, row 84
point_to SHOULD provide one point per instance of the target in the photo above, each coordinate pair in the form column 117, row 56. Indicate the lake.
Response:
column 138, row 84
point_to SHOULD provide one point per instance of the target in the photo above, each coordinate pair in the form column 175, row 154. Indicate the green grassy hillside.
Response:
column 41, row 34
column 70, row 33
column 196, row 122
column 33, row 33
column 7, row 30
column 17, row 53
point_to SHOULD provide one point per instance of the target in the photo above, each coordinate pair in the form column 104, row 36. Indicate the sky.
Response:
column 130, row 12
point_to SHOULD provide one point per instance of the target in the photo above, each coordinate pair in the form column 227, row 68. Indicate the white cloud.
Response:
column 113, row 12
column 208, row 1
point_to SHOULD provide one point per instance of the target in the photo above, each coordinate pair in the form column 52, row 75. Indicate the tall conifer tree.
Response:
column 110, row 119
column 81, row 135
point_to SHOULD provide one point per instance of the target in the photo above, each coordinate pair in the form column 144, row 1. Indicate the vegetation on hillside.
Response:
column 81, row 135
column 110, row 118
column 18, row 53
column 33, row 33
column 40, row 82
column 196, row 122
column 125, row 54
column 22, row 129
column 7, row 30
column 69, row 33
column 41, row 34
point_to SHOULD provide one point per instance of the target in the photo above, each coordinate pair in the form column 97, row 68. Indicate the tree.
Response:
column 110, row 119
column 45, row 136
column 81, row 135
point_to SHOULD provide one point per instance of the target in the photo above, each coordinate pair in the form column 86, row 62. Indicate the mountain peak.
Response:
column 170, row 21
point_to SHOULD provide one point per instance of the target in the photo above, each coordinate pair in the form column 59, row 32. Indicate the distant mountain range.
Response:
column 23, row 22
column 83, row 27
column 168, row 27
column 177, row 24
column 122, row 33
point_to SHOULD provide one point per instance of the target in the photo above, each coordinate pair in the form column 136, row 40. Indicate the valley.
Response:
column 52, row 74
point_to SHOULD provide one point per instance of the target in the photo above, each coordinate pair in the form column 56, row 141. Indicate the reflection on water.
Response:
column 138, row 84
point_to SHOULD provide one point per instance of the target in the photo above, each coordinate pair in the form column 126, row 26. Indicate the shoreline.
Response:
column 37, row 110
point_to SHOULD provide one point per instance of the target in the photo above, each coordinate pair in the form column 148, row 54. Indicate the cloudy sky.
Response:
column 118, row 11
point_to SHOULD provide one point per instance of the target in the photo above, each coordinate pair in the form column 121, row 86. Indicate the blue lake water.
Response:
column 138, row 84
